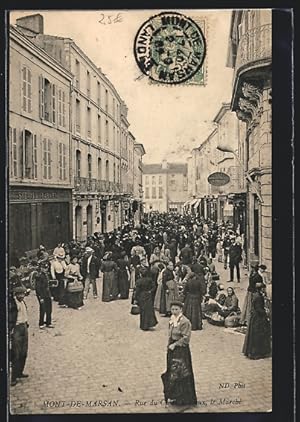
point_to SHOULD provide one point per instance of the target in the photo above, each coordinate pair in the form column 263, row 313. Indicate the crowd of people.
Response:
column 168, row 264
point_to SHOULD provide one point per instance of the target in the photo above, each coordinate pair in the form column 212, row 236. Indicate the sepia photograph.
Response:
column 140, row 211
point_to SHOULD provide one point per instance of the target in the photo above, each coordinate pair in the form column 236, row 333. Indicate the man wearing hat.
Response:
column 90, row 266
column 18, row 320
column 43, row 294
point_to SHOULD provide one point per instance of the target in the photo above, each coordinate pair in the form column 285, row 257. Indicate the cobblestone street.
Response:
column 97, row 360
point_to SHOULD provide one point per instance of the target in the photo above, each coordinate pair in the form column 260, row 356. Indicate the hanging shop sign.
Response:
column 126, row 205
column 218, row 179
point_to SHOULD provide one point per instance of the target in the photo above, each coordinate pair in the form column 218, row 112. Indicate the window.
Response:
column 147, row 193
column 89, row 166
column 99, row 169
column 26, row 89
column 62, row 161
column 99, row 128
column 114, row 109
column 160, row 193
column 107, row 170
column 160, row 180
column 117, row 113
column 88, row 83
column 14, row 157
column 114, row 139
column 53, row 103
column 106, row 132
column 78, row 116
column 61, row 108
column 77, row 73
column 153, row 180
column 98, row 93
column 29, row 155
column 35, row 158
column 78, row 163
column 147, row 180
column 106, row 101
column 154, row 192
column 114, row 175
column 89, row 122
column 47, row 100
column 118, row 173
column 47, row 158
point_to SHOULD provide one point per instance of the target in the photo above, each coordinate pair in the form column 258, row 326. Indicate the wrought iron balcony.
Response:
column 84, row 185
column 254, row 46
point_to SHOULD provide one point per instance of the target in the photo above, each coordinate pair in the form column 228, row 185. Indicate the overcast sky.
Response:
column 168, row 120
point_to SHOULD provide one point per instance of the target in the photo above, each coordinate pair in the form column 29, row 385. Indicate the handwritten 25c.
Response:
column 109, row 19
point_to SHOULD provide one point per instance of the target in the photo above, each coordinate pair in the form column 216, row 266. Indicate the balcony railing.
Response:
column 254, row 45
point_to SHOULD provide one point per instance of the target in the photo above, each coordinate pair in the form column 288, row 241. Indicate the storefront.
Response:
column 38, row 216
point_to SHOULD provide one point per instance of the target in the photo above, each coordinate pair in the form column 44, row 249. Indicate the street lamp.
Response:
column 247, row 175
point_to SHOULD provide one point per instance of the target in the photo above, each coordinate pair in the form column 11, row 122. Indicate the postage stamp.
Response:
column 170, row 48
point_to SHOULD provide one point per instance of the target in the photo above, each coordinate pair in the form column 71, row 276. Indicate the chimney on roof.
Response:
column 33, row 23
column 164, row 165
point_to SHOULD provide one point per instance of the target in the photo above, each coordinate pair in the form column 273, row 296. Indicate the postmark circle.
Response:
column 169, row 48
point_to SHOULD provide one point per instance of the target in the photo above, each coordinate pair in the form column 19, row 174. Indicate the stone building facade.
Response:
column 165, row 186
column 40, row 147
column 101, row 141
column 250, row 55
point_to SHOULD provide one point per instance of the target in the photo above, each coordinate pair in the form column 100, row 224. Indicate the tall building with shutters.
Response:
column 103, row 188
column 40, row 155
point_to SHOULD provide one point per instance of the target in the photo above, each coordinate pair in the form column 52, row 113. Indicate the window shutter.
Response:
column 64, row 162
column 63, row 109
column 29, row 109
column 49, row 158
column 42, row 97
column 11, row 146
column 23, row 155
column 34, row 158
column 53, row 103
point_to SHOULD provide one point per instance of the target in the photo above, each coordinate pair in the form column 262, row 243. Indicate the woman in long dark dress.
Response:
column 143, row 297
column 72, row 272
column 109, row 269
column 257, row 344
column 193, row 293
column 123, row 276
column 178, row 380
column 255, row 277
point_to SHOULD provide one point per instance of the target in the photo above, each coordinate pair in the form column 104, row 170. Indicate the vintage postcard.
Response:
column 140, row 211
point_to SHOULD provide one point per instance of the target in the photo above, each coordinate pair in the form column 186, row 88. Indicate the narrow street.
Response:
column 97, row 360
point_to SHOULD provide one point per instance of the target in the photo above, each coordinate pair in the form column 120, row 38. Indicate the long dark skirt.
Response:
column 147, row 314
column 247, row 307
column 123, row 284
column 163, row 302
column 74, row 300
column 257, row 344
column 192, row 310
column 178, row 380
column 108, row 280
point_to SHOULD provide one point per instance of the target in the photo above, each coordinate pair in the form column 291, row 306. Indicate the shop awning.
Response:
column 193, row 202
column 196, row 205
column 186, row 204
